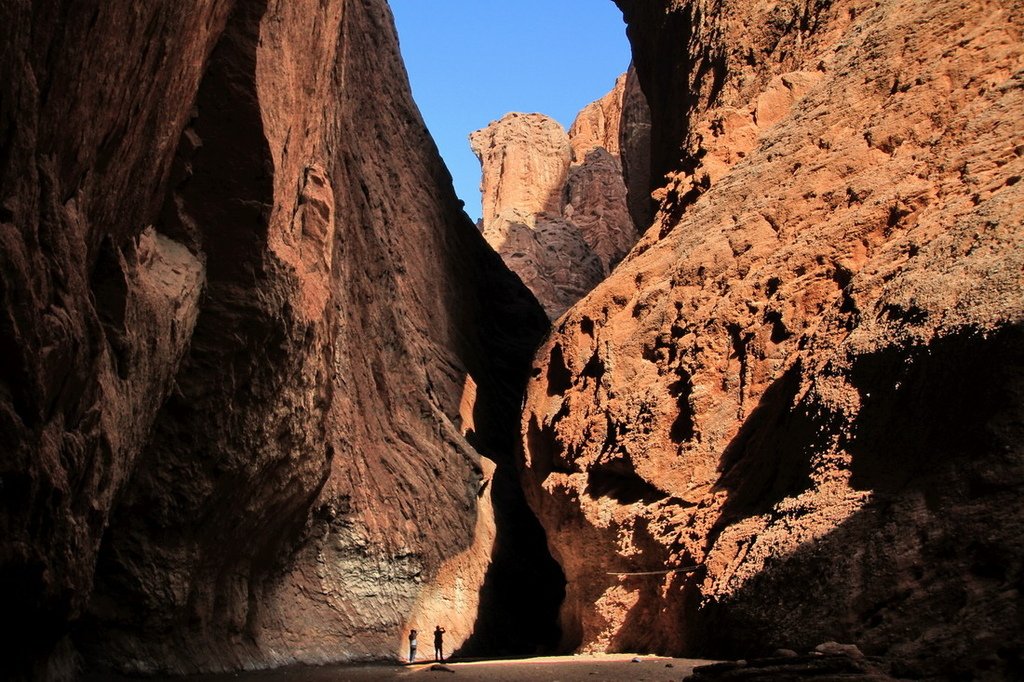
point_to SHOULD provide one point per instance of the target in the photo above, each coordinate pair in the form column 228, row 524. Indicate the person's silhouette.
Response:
column 412, row 646
column 439, row 643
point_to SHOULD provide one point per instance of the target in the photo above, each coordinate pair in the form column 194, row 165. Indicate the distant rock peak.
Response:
column 555, row 204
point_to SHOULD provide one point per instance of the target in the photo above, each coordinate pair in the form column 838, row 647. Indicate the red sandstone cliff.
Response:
column 556, row 205
column 252, row 353
column 806, row 378
column 255, row 358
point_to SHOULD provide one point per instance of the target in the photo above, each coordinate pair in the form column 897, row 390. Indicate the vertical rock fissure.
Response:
column 524, row 586
column 562, row 208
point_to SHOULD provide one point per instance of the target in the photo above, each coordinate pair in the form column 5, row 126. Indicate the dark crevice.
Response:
column 524, row 586
column 635, row 152
column 109, row 287
column 682, row 426
column 769, row 459
column 910, row 315
column 546, row 452
column 611, row 437
column 594, row 368
column 739, row 341
column 679, row 73
column 619, row 481
column 559, row 377
column 779, row 330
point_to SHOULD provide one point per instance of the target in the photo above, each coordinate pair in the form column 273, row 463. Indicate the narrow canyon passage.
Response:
column 270, row 398
column 260, row 423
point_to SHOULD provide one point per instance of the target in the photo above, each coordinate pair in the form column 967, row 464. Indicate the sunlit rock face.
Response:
column 805, row 380
column 256, row 360
column 595, row 193
column 555, row 204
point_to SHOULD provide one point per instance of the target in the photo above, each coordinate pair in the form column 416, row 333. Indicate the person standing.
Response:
column 439, row 643
column 412, row 645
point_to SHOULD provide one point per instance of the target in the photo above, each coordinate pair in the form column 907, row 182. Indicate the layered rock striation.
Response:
column 796, row 405
column 556, row 205
column 260, row 374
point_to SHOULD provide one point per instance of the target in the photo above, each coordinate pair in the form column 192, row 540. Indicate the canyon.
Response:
column 748, row 378
column 261, row 373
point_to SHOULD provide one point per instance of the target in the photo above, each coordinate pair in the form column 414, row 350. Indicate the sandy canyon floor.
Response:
column 610, row 667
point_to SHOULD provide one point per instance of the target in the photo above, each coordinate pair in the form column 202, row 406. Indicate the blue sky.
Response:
column 472, row 61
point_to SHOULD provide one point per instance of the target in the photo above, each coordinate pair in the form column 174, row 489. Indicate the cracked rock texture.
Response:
column 804, row 384
column 260, row 375
column 555, row 204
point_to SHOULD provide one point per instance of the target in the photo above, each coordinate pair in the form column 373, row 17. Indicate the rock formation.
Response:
column 256, row 361
column 595, row 192
column 525, row 160
column 798, row 402
column 260, row 376
column 555, row 205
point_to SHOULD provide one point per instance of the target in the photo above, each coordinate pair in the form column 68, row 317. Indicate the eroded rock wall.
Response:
column 805, row 380
column 96, row 307
column 257, row 362
column 555, row 204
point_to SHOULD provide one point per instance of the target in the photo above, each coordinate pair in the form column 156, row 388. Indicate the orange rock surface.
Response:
column 261, row 378
column 798, row 400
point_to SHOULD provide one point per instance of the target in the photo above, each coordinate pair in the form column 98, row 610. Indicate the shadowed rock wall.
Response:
column 257, row 362
column 805, row 379
column 97, row 307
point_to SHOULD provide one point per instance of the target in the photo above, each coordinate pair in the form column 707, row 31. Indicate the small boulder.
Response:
column 442, row 668
column 850, row 650
column 784, row 653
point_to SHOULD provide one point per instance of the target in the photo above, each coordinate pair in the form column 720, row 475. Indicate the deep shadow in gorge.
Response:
column 522, row 596
column 524, row 586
